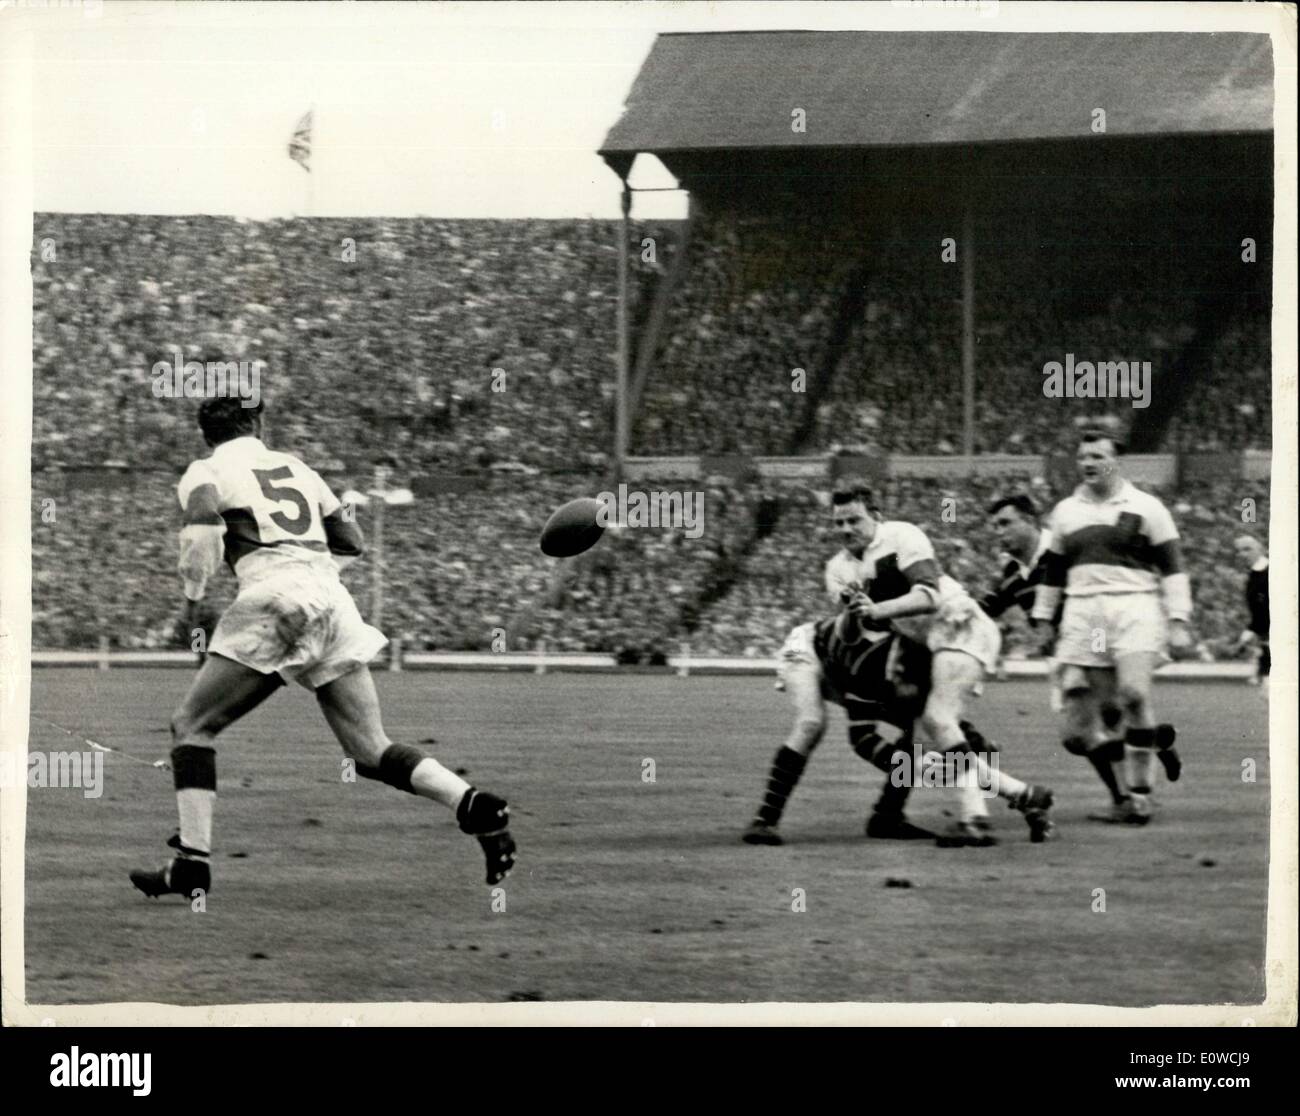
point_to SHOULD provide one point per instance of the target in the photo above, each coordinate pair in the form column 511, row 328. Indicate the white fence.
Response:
column 544, row 662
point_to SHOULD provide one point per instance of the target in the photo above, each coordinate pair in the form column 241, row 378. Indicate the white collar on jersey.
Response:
column 234, row 444
column 1260, row 564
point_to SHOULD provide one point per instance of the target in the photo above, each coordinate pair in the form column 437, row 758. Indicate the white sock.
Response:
column 971, row 794
column 997, row 781
column 432, row 780
column 195, row 809
column 1140, row 766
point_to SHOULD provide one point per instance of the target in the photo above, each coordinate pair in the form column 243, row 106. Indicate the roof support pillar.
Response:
column 624, row 341
column 967, row 333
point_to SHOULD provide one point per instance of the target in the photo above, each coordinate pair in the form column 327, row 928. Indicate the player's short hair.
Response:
column 1018, row 500
column 853, row 491
column 1103, row 436
column 226, row 417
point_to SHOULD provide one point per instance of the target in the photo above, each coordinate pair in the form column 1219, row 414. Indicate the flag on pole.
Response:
column 300, row 144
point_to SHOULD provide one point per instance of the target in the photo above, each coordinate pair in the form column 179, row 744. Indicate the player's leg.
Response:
column 1084, row 650
column 888, row 747
column 222, row 692
column 1091, row 721
column 887, row 820
column 802, row 678
column 1140, row 645
column 905, row 681
column 954, row 675
column 351, row 706
column 1111, row 750
column 1133, row 673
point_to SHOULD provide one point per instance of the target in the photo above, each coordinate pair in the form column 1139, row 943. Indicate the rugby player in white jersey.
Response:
column 1115, row 555
column 888, row 571
column 1014, row 520
column 285, row 535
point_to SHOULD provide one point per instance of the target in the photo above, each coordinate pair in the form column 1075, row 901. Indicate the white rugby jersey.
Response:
column 272, row 509
column 898, row 559
column 1126, row 543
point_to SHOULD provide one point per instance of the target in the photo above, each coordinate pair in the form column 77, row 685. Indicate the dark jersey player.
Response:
column 880, row 682
column 1014, row 520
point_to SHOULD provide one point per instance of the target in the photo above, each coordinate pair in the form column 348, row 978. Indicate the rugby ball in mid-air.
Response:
column 573, row 528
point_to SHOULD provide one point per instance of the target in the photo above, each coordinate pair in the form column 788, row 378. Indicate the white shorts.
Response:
column 975, row 634
column 300, row 624
column 1097, row 630
column 797, row 660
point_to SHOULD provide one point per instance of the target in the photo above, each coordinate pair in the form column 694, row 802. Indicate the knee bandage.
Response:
column 1076, row 745
column 395, row 766
column 194, row 767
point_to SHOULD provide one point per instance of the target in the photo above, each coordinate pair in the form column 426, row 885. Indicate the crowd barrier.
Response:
column 545, row 662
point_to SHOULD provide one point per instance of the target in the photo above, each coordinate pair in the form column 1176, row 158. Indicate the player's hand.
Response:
column 850, row 591
column 864, row 608
column 1180, row 635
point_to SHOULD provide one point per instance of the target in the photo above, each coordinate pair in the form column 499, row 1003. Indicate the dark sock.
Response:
column 787, row 766
column 893, row 798
column 395, row 766
column 1103, row 760
column 194, row 773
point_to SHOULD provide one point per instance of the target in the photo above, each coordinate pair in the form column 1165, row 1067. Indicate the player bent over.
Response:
column 1115, row 555
column 285, row 536
column 815, row 666
column 888, row 571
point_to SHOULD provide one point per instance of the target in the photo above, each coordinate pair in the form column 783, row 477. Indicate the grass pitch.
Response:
column 627, row 889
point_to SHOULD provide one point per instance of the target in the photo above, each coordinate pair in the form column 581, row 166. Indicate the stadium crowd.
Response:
column 760, row 299
column 470, row 344
column 380, row 342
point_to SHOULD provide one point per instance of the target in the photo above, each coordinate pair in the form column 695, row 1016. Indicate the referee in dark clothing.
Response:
column 1254, row 557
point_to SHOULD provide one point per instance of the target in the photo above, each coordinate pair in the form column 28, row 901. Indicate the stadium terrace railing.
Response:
column 544, row 662
column 1158, row 469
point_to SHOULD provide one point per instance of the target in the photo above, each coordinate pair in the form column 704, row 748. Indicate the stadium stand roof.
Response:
column 701, row 92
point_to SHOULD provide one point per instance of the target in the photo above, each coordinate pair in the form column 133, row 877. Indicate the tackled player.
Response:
column 902, row 588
